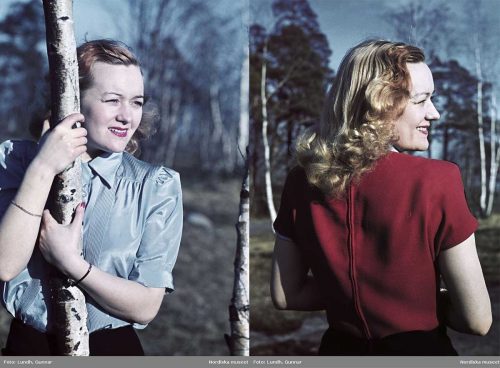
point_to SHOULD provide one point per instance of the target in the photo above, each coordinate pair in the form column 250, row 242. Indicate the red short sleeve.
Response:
column 285, row 220
column 457, row 222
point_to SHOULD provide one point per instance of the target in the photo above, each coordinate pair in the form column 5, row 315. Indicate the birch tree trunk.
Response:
column 243, row 131
column 239, row 310
column 220, row 134
column 67, row 313
column 480, row 127
column 495, row 154
column 265, row 140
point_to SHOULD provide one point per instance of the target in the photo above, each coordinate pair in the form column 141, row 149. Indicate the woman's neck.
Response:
column 90, row 155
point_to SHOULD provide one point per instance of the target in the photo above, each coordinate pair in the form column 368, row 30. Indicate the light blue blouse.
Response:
column 132, row 229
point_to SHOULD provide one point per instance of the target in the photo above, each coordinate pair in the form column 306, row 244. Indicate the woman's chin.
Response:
column 419, row 146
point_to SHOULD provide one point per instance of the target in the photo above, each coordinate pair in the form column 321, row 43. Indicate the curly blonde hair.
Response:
column 370, row 91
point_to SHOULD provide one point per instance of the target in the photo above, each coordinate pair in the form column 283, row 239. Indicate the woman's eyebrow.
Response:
column 418, row 94
column 121, row 95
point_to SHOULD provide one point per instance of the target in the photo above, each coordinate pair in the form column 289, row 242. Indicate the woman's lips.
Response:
column 423, row 129
column 121, row 133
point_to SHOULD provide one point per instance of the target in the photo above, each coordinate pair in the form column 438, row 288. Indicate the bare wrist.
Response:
column 75, row 267
column 76, row 282
column 41, row 169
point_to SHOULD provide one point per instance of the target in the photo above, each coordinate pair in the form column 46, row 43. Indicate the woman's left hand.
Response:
column 60, row 244
column 126, row 299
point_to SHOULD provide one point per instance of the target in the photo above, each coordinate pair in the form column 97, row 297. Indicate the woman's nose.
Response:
column 124, row 115
column 432, row 113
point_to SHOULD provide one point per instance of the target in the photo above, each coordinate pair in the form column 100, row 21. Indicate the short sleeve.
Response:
column 457, row 222
column 15, row 157
column 285, row 220
column 161, row 239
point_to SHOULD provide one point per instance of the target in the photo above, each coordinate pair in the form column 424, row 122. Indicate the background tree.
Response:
column 425, row 25
column 23, row 62
column 294, row 54
column 193, row 81
column 454, row 134
column 482, row 51
column 464, row 61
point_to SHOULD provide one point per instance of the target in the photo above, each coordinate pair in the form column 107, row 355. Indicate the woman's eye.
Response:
column 112, row 101
column 138, row 103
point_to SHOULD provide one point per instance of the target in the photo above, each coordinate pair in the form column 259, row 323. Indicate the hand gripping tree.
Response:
column 67, row 311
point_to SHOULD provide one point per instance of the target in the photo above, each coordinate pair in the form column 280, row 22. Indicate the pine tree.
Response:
column 296, row 57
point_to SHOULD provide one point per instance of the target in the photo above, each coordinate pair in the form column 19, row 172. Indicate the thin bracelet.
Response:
column 25, row 210
column 86, row 274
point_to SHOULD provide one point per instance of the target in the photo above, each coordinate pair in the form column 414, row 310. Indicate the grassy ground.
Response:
column 193, row 319
column 488, row 245
column 299, row 333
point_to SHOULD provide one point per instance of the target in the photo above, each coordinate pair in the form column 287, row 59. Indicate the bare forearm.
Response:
column 305, row 298
column 466, row 306
column 18, row 229
column 291, row 285
column 455, row 317
column 122, row 298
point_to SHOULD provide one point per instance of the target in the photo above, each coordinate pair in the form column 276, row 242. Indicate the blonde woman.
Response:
column 376, row 227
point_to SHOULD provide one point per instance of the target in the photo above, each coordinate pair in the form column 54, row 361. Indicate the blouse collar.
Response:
column 106, row 166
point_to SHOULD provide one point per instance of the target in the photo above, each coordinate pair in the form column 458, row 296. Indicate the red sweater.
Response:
column 374, row 252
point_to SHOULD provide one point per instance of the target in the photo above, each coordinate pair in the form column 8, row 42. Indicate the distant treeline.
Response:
column 191, row 58
column 289, row 75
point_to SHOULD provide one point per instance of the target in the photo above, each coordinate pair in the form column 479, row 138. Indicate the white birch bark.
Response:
column 220, row 134
column 265, row 139
column 244, row 124
column 480, row 125
column 239, row 310
column 495, row 154
column 68, row 312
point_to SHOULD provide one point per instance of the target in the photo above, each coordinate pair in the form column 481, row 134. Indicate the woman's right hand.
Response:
column 60, row 146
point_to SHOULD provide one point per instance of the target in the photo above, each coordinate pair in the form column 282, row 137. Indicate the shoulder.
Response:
column 427, row 167
column 296, row 180
column 297, row 186
column 137, row 170
column 297, row 175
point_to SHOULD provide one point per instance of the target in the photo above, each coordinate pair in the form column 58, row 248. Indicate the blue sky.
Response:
column 92, row 18
column 345, row 22
column 108, row 18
